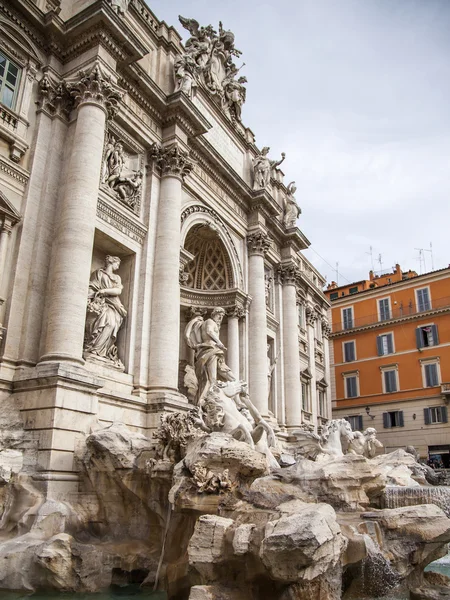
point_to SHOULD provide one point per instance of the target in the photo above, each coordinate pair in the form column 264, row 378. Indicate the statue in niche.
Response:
column 105, row 314
column 127, row 187
column 209, row 360
column 262, row 168
column 270, row 369
column 291, row 209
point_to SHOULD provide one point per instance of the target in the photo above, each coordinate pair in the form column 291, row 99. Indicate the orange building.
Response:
column 390, row 358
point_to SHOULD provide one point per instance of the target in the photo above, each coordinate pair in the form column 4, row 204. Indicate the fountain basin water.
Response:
column 397, row 496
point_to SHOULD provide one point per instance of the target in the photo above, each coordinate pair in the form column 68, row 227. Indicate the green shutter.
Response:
column 419, row 338
column 444, row 414
column 426, row 416
column 386, row 421
column 401, row 421
column 379, row 345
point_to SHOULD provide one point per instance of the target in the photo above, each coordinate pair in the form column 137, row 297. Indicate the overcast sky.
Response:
column 357, row 93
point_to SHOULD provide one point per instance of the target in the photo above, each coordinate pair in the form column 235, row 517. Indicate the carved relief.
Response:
column 126, row 185
column 262, row 168
column 171, row 160
column 105, row 315
column 208, row 62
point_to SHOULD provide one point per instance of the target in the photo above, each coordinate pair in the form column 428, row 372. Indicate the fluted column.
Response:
column 173, row 164
column 292, row 385
column 233, row 360
column 311, row 317
column 96, row 99
column 326, row 329
column 258, row 246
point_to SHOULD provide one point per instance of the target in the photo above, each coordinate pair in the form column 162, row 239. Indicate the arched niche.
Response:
column 206, row 223
column 211, row 268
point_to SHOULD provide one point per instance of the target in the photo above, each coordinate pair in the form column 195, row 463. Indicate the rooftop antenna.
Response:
column 370, row 253
column 422, row 257
column 337, row 273
column 381, row 263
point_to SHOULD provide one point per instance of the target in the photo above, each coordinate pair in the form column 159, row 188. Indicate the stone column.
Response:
column 311, row 317
column 258, row 246
column 292, row 385
column 233, row 360
column 173, row 164
column 96, row 98
column 5, row 234
column 326, row 329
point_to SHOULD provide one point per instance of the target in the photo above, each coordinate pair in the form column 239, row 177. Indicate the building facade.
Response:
column 133, row 198
column 390, row 353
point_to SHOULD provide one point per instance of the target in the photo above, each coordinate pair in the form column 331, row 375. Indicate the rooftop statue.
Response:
column 208, row 62
column 291, row 209
column 262, row 168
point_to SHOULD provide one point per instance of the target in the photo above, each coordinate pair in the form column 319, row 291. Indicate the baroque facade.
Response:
column 390, row 359
column 134, row 200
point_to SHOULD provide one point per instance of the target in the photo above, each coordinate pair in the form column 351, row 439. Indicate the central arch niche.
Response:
column 211, row 269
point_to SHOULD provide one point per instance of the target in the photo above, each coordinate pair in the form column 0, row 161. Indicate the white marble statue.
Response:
column 127, row 187
column 209, row 361
column 234, row 96
column 365, row 443
column 185, row 68
column 105, row 314
column 333, row 441
column 262, row 168
column 291, row 209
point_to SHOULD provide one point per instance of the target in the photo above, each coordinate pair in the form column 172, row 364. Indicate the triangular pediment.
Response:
column 8, row 210
column 306, row 374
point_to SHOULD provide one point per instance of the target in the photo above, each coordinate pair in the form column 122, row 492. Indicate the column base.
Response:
column 61, row 357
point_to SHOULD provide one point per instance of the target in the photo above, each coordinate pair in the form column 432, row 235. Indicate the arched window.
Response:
column 211, row 268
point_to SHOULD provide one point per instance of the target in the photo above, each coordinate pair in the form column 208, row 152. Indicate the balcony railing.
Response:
column 8, row 118
column 396, row 313
column 445, row 389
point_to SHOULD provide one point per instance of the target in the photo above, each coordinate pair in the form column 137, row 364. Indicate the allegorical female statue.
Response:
column 105, row 314
column 262, row 167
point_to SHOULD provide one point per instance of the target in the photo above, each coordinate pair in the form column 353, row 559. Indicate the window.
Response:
column 356, row 422
column 322, row 403
column 301, row 322
column 436, row 414
column 9, row 81
column 347, row 317
column 351, row 386
column 431, row 375
column 390, row 380
column 385, row 344
column 384, row 309
column 393, row 419
column 427, row 336
column 349, row 351
column 353, row 290
column 334, row 295
column 306, row 397
column 423, row 299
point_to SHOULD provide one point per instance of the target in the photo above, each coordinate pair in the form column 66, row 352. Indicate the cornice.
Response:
column 226, row 298
column 180, row 110
column 22, row 22
column 381, row 324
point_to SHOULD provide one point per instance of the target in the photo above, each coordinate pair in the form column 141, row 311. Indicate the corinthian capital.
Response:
column 288, row 274
column 258, row 243
column 54, row 97
column 171, row 161
column 96, row 86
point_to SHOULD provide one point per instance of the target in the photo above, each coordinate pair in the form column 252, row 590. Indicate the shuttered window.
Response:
column 423, row 300
column 385, row 344
column 347, row 318
column 384, row 309
column 431, row 375
column 427, row 336
column 393, row 419
column 351, row 387
column 390, row 381
column 356, row 422
column 349, row 351
column 436, row 414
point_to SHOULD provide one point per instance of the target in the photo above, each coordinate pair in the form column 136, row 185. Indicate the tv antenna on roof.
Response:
column 421, row 258
column 337, row 273
column 370, row 253
column 381, row 263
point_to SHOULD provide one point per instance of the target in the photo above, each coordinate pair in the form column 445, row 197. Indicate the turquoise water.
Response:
column 116, row 593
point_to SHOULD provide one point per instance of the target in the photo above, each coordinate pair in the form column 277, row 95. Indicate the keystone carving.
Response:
column 258, row 243
column 171, row 160
column 96, row 86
